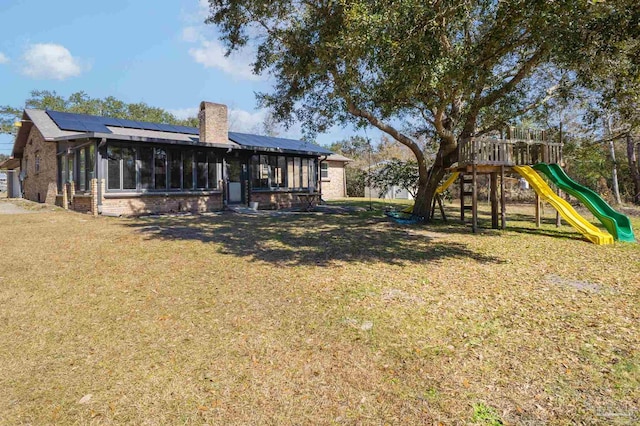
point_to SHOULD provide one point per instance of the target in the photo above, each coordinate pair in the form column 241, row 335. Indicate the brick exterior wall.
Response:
column 334, row 185
column 44, row 182
column 278, row 200
column 81, row 203
column 160, row 203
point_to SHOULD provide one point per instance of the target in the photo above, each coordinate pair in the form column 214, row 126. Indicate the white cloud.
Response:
column 246, row 122
column 194, row 13
column 209, row 51
column 50, row 61
column 203, row 7
column 211, row 54
column 239, row 120
column 191, row 34
column 3, row 58
column 183, row 113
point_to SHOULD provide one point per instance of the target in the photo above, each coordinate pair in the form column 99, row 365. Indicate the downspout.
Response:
column 344, row 181
column 98, row 168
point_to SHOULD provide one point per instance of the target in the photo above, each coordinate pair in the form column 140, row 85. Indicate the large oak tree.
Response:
column 450, row 69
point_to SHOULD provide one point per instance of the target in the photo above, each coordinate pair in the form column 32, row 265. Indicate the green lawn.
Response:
column 314, row 319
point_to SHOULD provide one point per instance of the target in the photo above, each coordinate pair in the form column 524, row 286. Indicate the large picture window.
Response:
column 187, row 170
column 304, row 172
column 260, row 171
column 214, row 170
column 82, row 172
column 201, row 169
column 78, row 167
column 114, row 160
column 277, row 171
column 128, row 168
column 160, row 168
column 175, row 172
column 146, row 168
column 63, row 172
column 121, row 168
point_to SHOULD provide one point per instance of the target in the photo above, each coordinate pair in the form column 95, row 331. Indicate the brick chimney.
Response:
column 214, row 126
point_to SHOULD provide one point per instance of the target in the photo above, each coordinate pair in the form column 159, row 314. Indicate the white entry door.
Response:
column 234, row 181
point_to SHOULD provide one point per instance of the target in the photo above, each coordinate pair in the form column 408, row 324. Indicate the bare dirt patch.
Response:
column 18, row 206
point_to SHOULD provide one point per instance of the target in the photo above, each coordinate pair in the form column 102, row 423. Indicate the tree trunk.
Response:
column 614, row 174
column 634, row 168
column 427, row 184
column 614, row 169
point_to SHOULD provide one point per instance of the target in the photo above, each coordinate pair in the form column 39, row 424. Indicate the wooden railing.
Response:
column 508, row 152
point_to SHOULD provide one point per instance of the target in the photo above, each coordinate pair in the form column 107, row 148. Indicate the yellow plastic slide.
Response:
column 592, row 233
column 447, row 183
column 439, row 190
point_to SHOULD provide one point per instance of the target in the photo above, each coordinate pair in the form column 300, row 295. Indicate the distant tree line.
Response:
column 82, row 103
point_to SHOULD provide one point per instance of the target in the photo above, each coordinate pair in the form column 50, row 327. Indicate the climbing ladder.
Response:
column 469, row 197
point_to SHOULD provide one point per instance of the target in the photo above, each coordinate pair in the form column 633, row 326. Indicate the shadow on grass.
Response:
column 310, row 239
column 516, row 222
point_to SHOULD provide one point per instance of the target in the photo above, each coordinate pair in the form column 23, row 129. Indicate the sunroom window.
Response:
column 277, row 171
column 147, row 168
column 121, row 167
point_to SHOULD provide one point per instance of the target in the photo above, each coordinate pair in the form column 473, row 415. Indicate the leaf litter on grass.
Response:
column 249, row 317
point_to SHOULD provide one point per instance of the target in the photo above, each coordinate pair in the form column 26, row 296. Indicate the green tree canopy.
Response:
column 450, row 69
column 395, row 173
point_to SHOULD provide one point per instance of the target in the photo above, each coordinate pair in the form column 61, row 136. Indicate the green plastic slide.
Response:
column 616, row 223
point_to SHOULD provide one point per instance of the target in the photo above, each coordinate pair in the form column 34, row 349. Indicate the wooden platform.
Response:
column 496, row 156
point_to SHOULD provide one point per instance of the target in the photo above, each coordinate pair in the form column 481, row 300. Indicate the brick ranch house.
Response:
column 113, row 166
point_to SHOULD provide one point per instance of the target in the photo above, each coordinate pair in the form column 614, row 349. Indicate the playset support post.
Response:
column 503, row 201
column 494, row 200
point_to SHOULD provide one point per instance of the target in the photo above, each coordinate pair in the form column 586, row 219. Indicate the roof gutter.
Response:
column 281, row 151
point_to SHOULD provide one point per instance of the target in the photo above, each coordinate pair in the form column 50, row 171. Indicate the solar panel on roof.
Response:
column 165, row 127
column 77, row 122
column 56, row 115
column 150, row 126
column 109, row 121
column 93, row 123
column 170, row 128
column 266, row 142
column 71, row 125
column 187, row 129
column 144, row 125
column 129, row 124
column 96, row 127
column 89, row 118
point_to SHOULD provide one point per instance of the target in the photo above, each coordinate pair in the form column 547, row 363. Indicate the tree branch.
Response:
column 376, row 122
column 444, row 133
column 507, row 87
column 497, row 124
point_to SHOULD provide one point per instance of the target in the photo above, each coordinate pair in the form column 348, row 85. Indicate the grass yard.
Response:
column 314, row 319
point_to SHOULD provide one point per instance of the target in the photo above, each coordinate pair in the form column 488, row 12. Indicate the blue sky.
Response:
column 156, row 52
